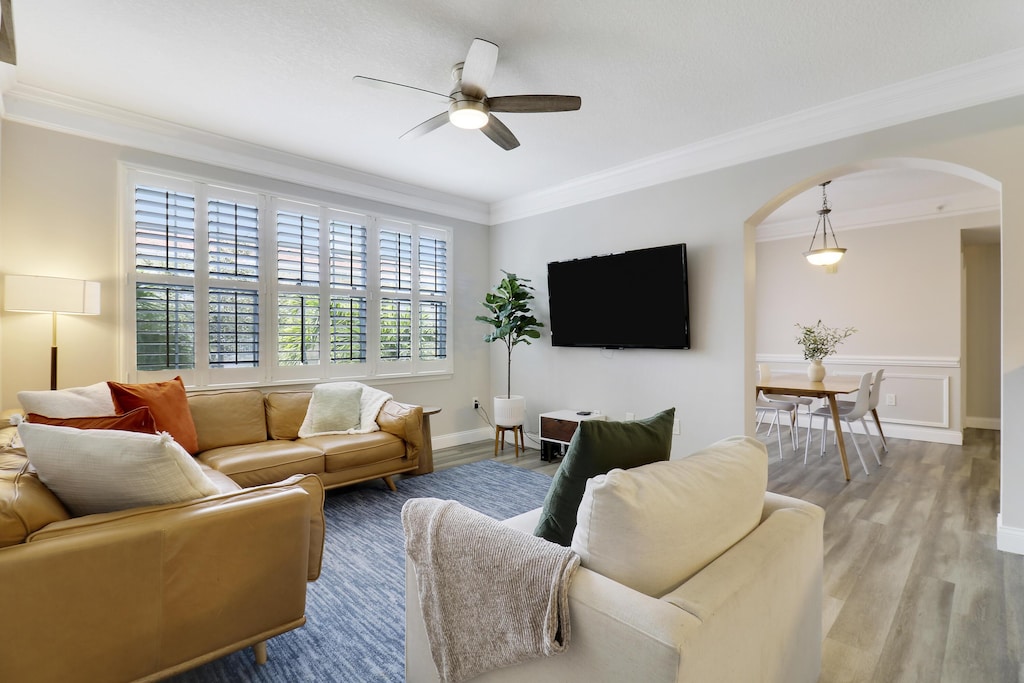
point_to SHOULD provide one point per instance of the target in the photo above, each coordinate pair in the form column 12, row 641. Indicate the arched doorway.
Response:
column 905, row 283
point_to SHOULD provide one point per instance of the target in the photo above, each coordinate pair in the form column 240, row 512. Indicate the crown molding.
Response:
column 978, row 202
column 986, row 80
column 45, row 109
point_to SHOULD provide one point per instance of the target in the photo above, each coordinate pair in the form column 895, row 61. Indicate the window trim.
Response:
column 269, row 372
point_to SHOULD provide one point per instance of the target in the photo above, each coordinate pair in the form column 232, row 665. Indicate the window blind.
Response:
column 298, row 248
column 233, row 236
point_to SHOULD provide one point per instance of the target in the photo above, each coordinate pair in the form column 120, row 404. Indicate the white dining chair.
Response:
column 763, row 406
column 805, row 401
column 876, row 392
column 849, row 415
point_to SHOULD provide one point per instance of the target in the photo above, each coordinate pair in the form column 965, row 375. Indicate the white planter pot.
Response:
column 509, row 411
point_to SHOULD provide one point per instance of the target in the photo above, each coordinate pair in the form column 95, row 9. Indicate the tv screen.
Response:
column 635, row 299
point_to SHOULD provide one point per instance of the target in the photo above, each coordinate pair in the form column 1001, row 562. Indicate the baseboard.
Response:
column 1009, row 539
column 460, row 438
column 993, row 423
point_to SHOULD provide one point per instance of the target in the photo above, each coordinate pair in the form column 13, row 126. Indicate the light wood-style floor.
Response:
column 915, row 589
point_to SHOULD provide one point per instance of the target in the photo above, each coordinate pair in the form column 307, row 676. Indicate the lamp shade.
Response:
column 824, row 257
column 36, row 294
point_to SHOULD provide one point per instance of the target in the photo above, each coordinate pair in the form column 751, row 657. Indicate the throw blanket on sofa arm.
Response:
column 491, row 596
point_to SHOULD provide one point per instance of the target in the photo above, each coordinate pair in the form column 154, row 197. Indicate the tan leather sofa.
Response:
column 253, row 438
column 141, row 594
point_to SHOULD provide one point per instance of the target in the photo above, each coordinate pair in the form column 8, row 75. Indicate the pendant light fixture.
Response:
column 824, row 255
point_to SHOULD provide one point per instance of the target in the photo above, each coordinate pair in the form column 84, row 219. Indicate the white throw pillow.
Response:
column 98, row 470
column 329, row 398
column 653, row 527
column 91, row 401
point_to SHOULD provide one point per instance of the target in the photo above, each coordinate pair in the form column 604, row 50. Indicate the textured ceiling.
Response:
column 653, row 75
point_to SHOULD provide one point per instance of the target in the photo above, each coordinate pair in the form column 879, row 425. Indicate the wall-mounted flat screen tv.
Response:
column 635, row 299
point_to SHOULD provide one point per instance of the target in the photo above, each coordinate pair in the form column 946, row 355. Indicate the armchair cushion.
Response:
column 653, row 527
column 595, row 448
column 94, row 471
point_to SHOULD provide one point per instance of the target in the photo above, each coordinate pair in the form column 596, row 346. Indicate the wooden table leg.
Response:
column 839, row 434
column 878, row 423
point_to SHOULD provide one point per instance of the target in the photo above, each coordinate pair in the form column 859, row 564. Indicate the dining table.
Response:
column 828, row 389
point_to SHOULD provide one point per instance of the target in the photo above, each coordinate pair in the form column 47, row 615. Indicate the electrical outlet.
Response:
column 476, row 403
column 675, row 427
column 890, row 399
column 630, row 416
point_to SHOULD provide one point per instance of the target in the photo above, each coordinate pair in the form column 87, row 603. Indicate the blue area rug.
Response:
column 355, row 612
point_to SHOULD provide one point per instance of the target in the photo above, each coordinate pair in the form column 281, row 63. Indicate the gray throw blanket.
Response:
column 491, row 595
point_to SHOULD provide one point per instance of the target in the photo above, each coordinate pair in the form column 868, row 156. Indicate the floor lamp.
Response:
column 53, row 295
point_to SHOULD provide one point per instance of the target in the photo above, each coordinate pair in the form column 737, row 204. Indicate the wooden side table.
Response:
column 427, row 450
column 557, row 428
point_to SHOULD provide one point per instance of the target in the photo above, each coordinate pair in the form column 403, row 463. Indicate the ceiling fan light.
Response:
column 468, row 114
column 824, row 257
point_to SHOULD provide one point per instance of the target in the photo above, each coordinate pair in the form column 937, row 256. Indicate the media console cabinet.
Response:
column 557, row 428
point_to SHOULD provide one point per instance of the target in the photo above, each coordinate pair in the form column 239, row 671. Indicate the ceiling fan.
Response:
column 468, row 103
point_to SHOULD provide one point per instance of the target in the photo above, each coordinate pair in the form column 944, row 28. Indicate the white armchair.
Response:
column 751, row 612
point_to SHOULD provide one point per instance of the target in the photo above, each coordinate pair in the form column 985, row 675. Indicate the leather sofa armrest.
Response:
column 155, row 591
column 404, row 421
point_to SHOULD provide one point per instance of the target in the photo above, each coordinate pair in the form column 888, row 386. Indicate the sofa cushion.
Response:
column 94, row 399
column 168, row 403
column 342, row 451
column 334, row 409
column 285, row 412
column 228, row 418
column 25, row 504
column 137, row 420
column 595, row 448
column 99, row 471
column 266, row 462
column 653, row 527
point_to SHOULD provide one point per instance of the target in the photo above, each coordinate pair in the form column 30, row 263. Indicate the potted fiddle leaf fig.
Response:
column 512, row 323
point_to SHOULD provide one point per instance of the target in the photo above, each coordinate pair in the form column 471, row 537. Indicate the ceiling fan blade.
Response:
column 499, row 133
column 399, row 87
column 430, row 124
column 478, row 69
column 522, row 104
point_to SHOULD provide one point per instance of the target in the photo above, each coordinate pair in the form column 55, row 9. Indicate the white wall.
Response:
column 60, row 217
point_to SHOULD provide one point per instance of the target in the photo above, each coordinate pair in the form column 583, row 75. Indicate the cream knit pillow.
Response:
column 91, row 401
column 653, row 527
column 98, row 470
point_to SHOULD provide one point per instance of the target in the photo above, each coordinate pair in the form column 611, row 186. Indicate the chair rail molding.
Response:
column 883, row 361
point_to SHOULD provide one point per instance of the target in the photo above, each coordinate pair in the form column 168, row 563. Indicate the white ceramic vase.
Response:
column 815, row 371
column 509, row 411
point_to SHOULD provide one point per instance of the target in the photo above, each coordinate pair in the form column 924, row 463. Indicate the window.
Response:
column 233, row 286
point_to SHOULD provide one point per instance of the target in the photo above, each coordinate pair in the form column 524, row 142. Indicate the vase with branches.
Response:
column 819, row 341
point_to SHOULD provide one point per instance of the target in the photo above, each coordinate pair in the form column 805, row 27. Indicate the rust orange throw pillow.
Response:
column 138, row 420
column 167, row 402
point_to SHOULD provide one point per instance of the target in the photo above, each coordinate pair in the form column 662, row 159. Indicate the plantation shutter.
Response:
column 432, row 257
column 165, row 251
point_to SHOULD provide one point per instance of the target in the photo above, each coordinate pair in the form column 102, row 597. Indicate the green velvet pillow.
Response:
column 594, row 449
